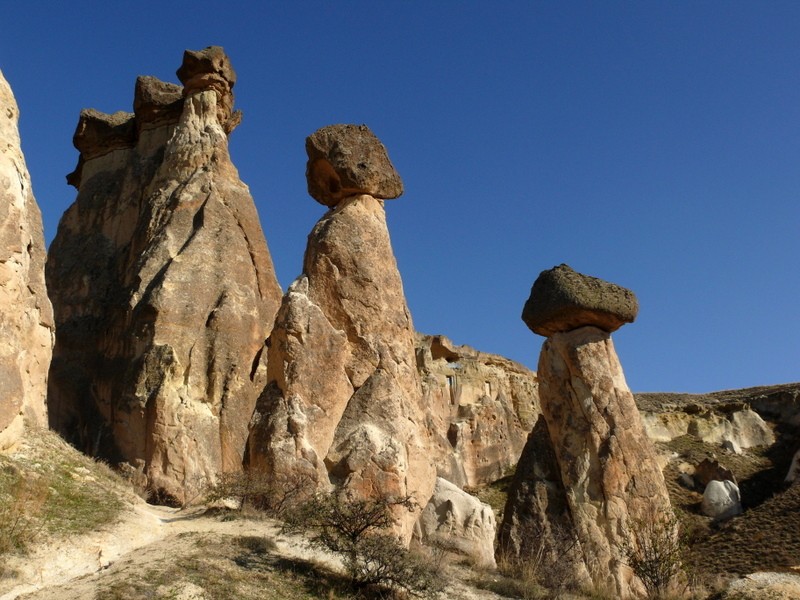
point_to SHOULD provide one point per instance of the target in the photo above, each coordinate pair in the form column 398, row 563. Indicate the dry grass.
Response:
column 47, row 488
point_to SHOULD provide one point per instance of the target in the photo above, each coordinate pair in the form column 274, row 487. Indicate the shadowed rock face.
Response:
column 343, row 400
column 26, row 316
column 608, row 465
column 537, row 524
column 163, row 288
column 610, row 480
column 562, row 300
column 480, row 409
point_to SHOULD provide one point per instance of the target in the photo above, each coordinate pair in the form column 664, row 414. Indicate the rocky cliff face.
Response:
column 480, row 409
column 343, row 400
column 163, row 287
column 26, row 317
column 607, row 465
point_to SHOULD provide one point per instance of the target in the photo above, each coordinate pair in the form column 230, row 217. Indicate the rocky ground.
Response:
column 91, row 537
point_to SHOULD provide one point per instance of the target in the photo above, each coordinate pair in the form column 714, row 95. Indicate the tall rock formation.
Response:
column 480, row 409
column 343, row 400
column 607, row 465
column 163, row 287
column 26, row 317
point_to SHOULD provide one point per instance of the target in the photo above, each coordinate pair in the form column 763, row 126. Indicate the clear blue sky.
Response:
column 653, row 144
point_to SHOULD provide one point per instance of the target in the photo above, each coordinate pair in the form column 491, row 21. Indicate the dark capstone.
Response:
column 156, row 102
column 209, row 61
column 346, row 160
column 562, row 300
column 99, row 133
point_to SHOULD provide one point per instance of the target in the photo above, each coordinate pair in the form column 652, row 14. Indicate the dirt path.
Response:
column 140, row 545
column 64, row 562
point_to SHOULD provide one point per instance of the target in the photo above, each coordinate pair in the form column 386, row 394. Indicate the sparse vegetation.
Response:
column 270, row 494
column 655, row 553
column 48, row 488
column 358, row 530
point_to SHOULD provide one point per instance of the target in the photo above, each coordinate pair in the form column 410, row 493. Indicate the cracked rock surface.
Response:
column 26, row 316
column 163, row 288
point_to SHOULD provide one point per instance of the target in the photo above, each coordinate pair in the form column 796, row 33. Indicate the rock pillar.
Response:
column 163, row 287
column 26, row 316
column 607, row 465
column 343, row 400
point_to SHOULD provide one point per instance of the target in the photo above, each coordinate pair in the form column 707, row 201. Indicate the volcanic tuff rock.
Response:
column 457, row 522
column 26, row 316
column 343, row 400
column 608, row 465
column 536, row 520
column 562, row 300
column 347, row 160
column 480, row 409
column 163, row 287
column 721, row 500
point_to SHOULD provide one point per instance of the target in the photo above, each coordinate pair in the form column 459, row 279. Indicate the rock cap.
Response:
column 210, row 69
column 156, row 102
column 346, row 160
column 562, row 299
column 99, row 133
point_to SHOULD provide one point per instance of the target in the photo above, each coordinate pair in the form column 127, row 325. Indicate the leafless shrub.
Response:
column 655, row 552
column 358, row 530
column 272, row 494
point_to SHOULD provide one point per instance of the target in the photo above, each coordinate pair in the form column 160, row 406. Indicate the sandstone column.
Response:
column 26, row 316
column 607, row 465
column 163, row 286
column 342, row 404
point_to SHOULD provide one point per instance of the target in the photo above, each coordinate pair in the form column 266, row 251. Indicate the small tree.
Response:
column 357, row 530
column 655, row 552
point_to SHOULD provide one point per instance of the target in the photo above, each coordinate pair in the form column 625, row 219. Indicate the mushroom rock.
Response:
column 608, row 467
column 163, row 288
column 562, row 299
column 26, row 316
column 347, row 160
column 343, row 399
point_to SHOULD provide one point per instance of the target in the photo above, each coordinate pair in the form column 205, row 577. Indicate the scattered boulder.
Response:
column 343, row 402
column 480, row 408
column 731, row 446
column 26, row 316
column 348, row 160
column 562, row 299
column 721, row 500
column 459, row 523
column 163, row 288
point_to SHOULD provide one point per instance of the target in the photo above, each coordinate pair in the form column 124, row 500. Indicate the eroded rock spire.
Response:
column 342, row 404
column 607, row 467
column 163, row 287
column 26, row 316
